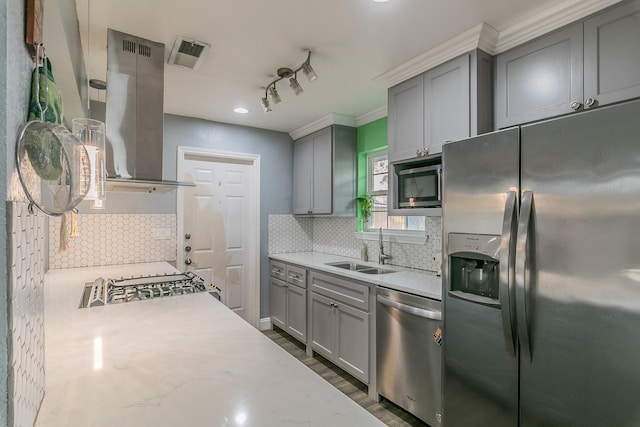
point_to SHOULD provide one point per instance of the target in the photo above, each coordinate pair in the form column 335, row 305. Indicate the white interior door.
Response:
column 218, row 228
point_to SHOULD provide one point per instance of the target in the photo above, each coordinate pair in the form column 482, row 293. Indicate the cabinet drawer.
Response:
column 278, row 270
column 297, row 276
column 352, row 293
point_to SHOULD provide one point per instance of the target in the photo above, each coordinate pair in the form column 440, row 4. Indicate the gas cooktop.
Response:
column 115, row 291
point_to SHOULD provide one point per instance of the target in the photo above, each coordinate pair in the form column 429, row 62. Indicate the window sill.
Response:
column 410, row 237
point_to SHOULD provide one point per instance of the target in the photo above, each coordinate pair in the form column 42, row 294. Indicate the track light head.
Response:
column 271, row 95
column 295, row 85
column 265, row 105
column 308, row 71
column 274, row 96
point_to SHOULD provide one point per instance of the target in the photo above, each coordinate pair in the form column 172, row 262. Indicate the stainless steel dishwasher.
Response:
column 409, row 355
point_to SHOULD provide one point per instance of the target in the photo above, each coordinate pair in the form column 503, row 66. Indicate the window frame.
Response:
column 409, row 236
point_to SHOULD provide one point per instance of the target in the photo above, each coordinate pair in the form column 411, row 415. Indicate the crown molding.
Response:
column 548, row 20
column 371, row 116
column 481, row 35
column 321, row 123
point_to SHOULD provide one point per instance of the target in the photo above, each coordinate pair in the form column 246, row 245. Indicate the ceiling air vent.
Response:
column 187, row 53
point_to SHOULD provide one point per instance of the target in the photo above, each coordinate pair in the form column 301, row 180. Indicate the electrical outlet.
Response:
column 162, row 233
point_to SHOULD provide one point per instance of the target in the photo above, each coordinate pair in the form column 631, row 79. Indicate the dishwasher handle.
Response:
column 421, row 312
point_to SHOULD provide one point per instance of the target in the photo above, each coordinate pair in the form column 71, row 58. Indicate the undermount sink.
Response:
column 360, row 268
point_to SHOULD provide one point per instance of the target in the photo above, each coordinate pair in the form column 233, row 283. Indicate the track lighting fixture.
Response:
column 271, row 93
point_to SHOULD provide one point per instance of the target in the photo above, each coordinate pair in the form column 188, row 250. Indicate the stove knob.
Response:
column 187, row 248
column 188, row 261
column 187, row 236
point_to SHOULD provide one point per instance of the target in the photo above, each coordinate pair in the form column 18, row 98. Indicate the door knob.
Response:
column 187, row 236
column 575, row 105
column 418, row 152
column 589, row 102
column 187, row 248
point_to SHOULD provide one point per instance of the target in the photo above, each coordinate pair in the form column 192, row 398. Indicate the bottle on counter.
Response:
column 364, row 256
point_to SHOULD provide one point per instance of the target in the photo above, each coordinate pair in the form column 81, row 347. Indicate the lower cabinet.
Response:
column 340, row 329
column 288, row 299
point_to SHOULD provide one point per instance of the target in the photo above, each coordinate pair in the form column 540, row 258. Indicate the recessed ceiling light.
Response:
column 241, row 110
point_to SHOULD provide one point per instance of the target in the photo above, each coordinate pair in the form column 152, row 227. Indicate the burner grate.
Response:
column 115, row 291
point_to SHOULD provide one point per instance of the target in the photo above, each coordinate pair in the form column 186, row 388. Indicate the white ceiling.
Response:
column 353, row 42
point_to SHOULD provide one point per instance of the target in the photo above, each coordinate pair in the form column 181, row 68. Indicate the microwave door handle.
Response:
column 523, row 272
column 439, row 184
column 507, row 271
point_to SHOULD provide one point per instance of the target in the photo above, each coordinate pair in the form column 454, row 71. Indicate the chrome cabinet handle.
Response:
column 418, row 152
column 575, row 105
column 188, row 261
column 416, row 311
column 187, row 236
column 425, row 151
column 589, row 102
column 507, row 271
column 523, row 272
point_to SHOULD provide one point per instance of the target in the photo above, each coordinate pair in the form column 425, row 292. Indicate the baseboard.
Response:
column 264, row 324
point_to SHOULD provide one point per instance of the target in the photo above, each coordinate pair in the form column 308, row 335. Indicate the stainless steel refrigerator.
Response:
column 541, row 228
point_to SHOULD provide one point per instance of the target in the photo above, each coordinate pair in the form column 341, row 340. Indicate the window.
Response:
column 377, row 188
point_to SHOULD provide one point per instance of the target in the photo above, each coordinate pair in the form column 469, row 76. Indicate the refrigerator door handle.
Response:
column 507, row 272
column 523, row 266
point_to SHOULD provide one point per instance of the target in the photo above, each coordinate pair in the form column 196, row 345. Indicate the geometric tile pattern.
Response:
column 336, row 236
column 288, row 233
column 26, row 312
column 111, row 239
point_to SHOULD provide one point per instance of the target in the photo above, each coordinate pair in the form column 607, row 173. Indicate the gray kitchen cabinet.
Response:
column 288, row 299
column 449, row 102
column 612, row 55
column 590, row 63
column 340, row 323
column 540, row 79
column 405, row 119
column 324, row 172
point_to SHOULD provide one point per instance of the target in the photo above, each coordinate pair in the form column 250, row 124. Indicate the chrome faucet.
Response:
column 381, row 255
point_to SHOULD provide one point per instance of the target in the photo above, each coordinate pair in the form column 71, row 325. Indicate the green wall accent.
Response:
column 371, row 137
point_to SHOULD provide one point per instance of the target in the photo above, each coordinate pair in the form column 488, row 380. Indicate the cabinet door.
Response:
column 353, row 341
column 302, row 176
column 297, row 312
column 446, row 104
column 540, row 79
column 406, row 115
column 322, row 192
column 612, row 55
column 278, row 298
column 323, row 324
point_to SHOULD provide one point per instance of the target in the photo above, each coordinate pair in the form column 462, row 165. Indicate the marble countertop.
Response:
column 177, row 361
column 418, row 282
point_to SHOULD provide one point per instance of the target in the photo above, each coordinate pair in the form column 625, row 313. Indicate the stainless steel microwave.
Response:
column 418, row 186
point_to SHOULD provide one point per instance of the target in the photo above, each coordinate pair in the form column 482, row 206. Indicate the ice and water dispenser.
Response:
column 474, row 267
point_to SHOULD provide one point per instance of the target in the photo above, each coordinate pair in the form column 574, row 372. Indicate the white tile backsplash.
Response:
column 26, row 315
column 288, row 233
column 336, row 236
column 109, row 239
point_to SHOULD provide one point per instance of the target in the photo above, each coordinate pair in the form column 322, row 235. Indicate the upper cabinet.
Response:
column 449, row 102
column 588, row 64
column 324, row 172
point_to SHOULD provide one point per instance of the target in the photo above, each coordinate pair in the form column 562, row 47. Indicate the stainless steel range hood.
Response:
column 135, row 114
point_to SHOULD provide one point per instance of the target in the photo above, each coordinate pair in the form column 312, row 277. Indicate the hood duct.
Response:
column 135, row 114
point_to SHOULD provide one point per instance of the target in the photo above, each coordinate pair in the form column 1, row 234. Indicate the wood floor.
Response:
column 384, row 410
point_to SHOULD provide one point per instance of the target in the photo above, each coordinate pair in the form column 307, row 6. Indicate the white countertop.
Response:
column 418, row 282
column 176, row 361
